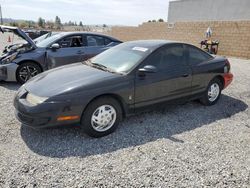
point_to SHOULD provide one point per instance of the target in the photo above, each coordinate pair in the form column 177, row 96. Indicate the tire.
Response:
column 211, row 98
column 101, row 117
column 26, row 71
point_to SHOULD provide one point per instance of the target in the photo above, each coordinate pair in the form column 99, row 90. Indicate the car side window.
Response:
column 173, row 57
column 167, row 58
column 93, row 40
column 196, row 55
column 154, row 59
column 71, row 42
column 107, row 41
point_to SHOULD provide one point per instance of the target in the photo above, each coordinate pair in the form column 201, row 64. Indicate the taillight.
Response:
column 227, row 67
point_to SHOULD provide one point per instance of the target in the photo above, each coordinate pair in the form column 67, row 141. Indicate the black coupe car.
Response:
column 99, row 92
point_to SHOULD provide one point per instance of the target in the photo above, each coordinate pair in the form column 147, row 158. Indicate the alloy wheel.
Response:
column 27, row 72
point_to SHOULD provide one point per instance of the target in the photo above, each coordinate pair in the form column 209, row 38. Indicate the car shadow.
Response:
column 13, row 86
column 134, row 131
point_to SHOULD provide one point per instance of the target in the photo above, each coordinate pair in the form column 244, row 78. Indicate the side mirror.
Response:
column 148, row 69
column 55, row 46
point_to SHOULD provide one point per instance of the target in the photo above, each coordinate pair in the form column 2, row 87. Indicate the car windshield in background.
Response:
column 43, row 37
column 122, row 58
column 46, row 42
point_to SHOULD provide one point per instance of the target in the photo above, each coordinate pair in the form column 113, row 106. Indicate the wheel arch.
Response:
column 31, row 61
column 219, row 77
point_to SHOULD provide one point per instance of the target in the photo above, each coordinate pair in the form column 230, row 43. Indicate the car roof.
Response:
column 87, row 33
column 151, row 44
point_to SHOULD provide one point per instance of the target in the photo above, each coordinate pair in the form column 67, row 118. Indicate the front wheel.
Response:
column 26, row 71
column 101, row 117
column 213, row 93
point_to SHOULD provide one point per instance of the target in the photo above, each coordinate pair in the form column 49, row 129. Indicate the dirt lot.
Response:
column 4, row 40
column 181, row 146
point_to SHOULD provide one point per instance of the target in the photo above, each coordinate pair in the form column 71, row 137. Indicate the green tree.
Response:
column 50, row 24
column 153, row 20
column 58, row 23
column 31, row 24
column 41, row 22
column 23, row 24
column 160, row 20
column 14, row 24
column 149, row 21
column 80, row 24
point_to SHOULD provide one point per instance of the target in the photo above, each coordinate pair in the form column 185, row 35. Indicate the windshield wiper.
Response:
column 103, row 67
column 88, row 62
column 99, row 66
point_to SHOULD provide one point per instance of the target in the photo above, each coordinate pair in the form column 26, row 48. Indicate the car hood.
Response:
column 18, row 32
column 66, row 79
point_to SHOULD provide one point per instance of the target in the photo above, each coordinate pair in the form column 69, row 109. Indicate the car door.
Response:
column 197, row 59
column 70, row 50
column 172, row 80
column 95, row 44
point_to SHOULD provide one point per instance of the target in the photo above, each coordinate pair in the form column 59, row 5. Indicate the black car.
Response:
column 24, row 61
column 99, row 92
column 33, row 34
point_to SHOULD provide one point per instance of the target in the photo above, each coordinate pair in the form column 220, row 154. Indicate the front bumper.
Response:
column 8, row 72
column 46, row 114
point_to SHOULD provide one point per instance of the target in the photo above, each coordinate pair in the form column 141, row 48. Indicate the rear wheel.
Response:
column 26, row 71
column 213, row 93
column 101, row 117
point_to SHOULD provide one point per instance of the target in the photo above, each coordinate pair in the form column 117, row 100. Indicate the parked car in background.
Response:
column 99, row 92
column 45, row 36
column 18, row 43
column 27, row 60
column 33, row 34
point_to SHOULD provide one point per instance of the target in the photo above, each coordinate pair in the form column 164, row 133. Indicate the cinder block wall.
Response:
column 234, row 36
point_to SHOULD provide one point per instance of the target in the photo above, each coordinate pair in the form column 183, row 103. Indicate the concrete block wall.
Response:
column 234, row 36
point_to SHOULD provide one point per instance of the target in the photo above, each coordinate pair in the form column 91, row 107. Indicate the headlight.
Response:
column 9, row 58
column 35, row 100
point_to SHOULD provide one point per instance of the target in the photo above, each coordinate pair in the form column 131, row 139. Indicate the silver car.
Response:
column 24, row 61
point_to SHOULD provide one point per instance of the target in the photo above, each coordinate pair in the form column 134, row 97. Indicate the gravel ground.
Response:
column 182, row 146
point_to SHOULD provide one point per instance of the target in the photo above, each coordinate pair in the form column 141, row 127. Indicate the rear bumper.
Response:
column 228, row 78
column 8, row 72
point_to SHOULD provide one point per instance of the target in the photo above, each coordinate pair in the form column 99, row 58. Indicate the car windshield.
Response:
column 45, row 36
column 122, row 58
column 48, row 41
column 39, row 39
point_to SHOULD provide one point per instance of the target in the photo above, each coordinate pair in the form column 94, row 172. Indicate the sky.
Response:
column 111, row 12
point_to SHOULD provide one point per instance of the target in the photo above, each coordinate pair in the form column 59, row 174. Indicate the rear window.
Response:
column 197, row 55
column 107, row 41
column 95, row 41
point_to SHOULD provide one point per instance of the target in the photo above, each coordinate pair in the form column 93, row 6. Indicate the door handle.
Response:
column 80, row 52
column 185, row 75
